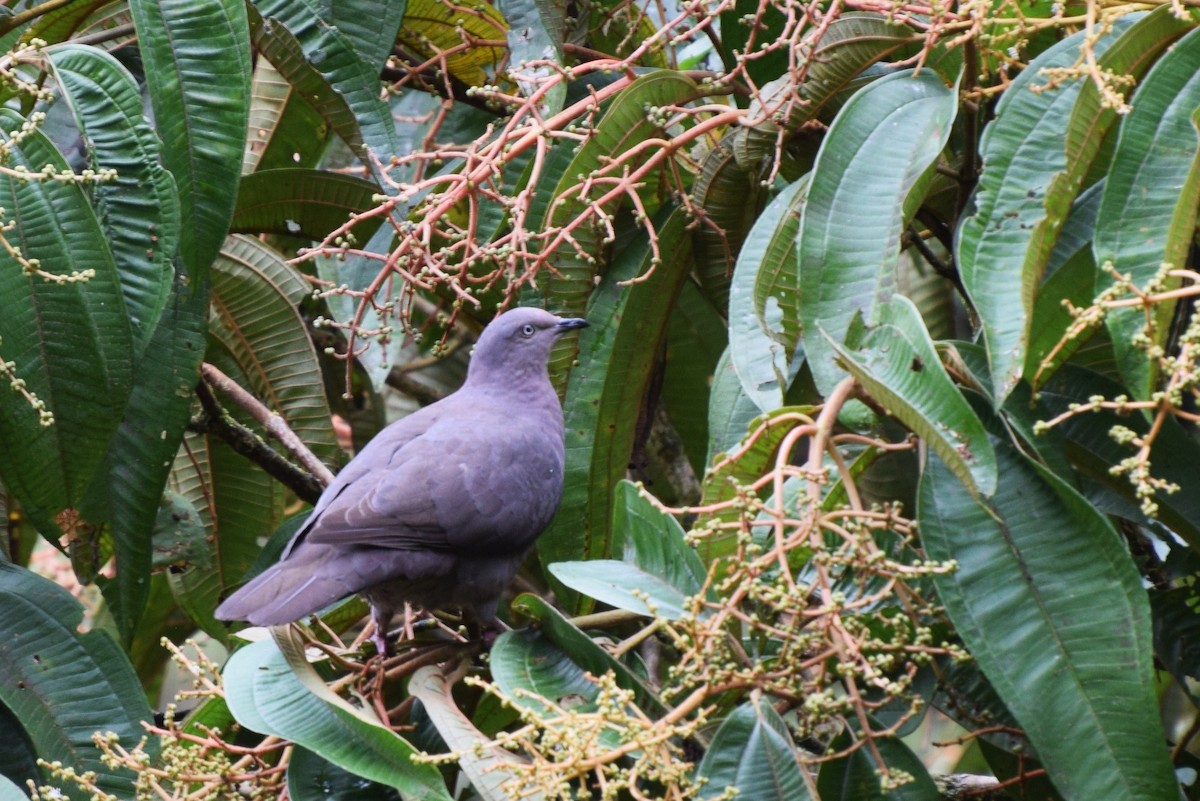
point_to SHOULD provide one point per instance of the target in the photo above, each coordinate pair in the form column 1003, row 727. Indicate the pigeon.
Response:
column 439, row 509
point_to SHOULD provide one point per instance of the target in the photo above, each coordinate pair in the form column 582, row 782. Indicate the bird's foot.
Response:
column 380, row 640
column 488, row 637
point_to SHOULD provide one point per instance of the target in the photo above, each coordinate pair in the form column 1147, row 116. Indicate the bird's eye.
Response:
column 527, row 330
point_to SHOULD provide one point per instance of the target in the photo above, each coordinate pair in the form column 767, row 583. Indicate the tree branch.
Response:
column 273, row 423
column 215, row 420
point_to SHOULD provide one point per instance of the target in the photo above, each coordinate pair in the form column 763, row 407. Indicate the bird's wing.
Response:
column 362, row 470
column 490, row 485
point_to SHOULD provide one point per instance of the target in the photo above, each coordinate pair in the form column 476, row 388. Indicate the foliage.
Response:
column 893, row 330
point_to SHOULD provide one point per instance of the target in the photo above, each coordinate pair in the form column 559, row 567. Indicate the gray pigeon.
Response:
column 441, row 506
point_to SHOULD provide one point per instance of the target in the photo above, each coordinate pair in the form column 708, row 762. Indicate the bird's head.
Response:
column 517, row 344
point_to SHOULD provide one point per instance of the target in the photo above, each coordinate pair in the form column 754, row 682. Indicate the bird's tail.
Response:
column 286, row 592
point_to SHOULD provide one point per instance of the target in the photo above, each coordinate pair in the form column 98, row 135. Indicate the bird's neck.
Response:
column 528, row 387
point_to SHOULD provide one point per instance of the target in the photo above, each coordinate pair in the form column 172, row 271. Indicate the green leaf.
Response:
column 654, row 541
column 623, row 586
column 58, row 24
column 483, row 764
column 730, row 196
column 1148, row 212
column 764, row 328
column 128, row 493
column 1050, row 604
column 302, row 202
column 604, row 398
column 429, row 31
column 727, row 477
column 535, row 34
column 285, row 130
column 189, row 47
column 1173, row 457
column 139, row 209
column 70, row 343
column 63, row 686
column 370, row 26
column 265, row 695
column 896, row 363
column 730, row 409
column 1036, row 155
column 875, row 155
column 735, row 36
column 1072, row 277
column 255, row 298
column 696, row 338
column 323, row 65
column 377, row 355
column 238, row 503
column 527, row 661
column 18, row 759
column 843, row 50
column 311, row 778
column 584, row 651
column 753, row 751
column 11, row 791
column 729, row 186
column 624, row 126
column 856, row 777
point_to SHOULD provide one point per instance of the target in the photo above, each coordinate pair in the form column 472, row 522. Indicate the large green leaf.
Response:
column 1094, row 452
column 835, row 56
column 729, row 185
column 876, row 154
column 285, row 130
column 660, row 572
column 266, row 696
column 584, row 651
column 1036, row 155
column 302, row 202
column 1050, row 604
column 1148, row 214
column 753, row 751
column 730, row 196
column 624, row 586
column 238, row 503
column 127, row 494
column 856, row 777
column 654, row 541
column 528, row 662
column 605, row 395
column 57, row 24
column 255, row 295
column 69, row 343
column 321, row 62
column 11, row 791
column 764, row 329
column 624, row 126
column 1072, row 278
column 535, row 31
column 482, row 762
column 311, row 778
column 727, row 477
column 730, row 409
column 63, row 686
column 429, row 31
column 696, row 338
column 139, row 210
column 18, row 759
column 896, row 363
column 370, row 25
column 197, row 62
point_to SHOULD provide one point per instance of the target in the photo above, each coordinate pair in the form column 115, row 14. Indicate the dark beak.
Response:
column 569, row 324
